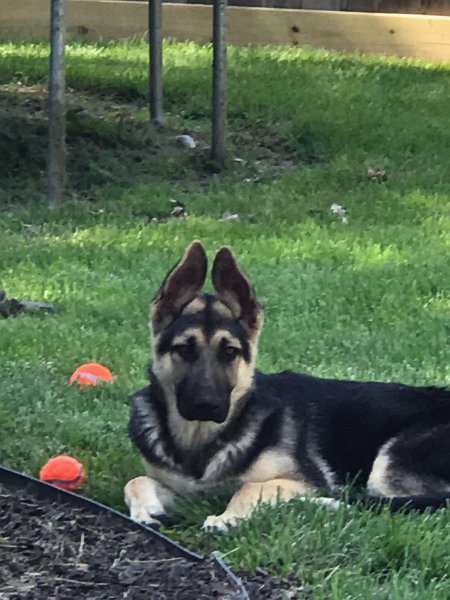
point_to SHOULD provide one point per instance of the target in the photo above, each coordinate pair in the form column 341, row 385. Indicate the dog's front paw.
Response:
column 146, row 499
column 218, row 523
column 146, row 516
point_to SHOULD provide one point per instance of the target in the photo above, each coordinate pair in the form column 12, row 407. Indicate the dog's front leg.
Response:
column 148, row 500
column 245, row 500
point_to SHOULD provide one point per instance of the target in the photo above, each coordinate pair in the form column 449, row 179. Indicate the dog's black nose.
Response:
column 206, row 409
column 198, row 401
column 206, row 405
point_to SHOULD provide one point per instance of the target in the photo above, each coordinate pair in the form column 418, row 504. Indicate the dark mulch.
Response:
column 262, row 586
column 53, row 550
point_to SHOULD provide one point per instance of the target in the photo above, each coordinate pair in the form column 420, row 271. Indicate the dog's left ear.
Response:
column 181, row 285
column 235, row 290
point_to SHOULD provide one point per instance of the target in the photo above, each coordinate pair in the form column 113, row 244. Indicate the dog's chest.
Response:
column 181, row 462
column 193, row 471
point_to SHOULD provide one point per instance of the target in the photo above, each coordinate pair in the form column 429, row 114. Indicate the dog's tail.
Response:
column 407, row 503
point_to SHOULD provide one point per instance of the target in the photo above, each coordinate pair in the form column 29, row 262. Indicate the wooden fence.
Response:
column 424, row 7
column 402, row 35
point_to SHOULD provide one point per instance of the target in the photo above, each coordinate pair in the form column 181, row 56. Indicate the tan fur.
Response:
column 243, row 382
column 195, row 332
column 378, row 483
column 229, row 300
column 387, row 481
column 245, row 500
column 222, row 309
column 244, row 375
column 223, row 334
column 272, row 464
column 196, row 306
column 146, row 497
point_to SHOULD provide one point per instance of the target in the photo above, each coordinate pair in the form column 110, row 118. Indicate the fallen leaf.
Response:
column 376, row 174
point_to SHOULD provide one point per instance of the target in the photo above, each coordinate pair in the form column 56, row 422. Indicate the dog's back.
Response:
column 348, row 422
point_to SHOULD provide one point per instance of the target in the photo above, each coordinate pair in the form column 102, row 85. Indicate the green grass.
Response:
column 366, row 299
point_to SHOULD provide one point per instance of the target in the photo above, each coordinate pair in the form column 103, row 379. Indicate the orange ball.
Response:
column 91, row 374
column 63, row 471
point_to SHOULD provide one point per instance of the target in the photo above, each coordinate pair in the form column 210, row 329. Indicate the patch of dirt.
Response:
column 111, row 143
column 51, row 550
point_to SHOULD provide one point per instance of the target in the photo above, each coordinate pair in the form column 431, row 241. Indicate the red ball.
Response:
column 91, row 374
column 63, row 471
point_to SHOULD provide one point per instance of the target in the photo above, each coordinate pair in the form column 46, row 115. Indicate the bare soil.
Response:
column 112, row 143
column 49, row 550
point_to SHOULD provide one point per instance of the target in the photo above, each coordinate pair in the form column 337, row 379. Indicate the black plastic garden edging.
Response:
column 15, row 479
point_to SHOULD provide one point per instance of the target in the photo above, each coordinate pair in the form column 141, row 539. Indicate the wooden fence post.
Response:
column 219, row 95
column 56, row 109
column 156, row 60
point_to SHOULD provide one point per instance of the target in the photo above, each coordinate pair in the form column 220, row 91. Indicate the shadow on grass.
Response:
column 112, row 147
column 288, row 109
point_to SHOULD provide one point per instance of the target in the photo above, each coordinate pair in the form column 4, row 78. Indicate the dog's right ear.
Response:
column 181, row 285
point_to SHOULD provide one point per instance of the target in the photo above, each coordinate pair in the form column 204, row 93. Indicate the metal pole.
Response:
column 56, row 109
column 156, row 60
column 219, row 96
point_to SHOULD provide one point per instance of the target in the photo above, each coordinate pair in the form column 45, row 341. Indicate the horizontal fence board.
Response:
column 430, row 7
column 402, row 35
column 423, row 7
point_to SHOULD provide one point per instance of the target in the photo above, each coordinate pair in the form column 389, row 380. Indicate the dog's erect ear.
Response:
column 235, row 290
column 181, row 285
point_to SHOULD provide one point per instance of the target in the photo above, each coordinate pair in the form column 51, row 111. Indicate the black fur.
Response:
column 349, row 421
column 322, row 433
column 352, row 420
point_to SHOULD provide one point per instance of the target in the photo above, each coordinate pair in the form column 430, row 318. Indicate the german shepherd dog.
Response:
column 209, row 417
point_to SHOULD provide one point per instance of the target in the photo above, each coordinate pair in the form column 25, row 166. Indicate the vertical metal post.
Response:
column 156, row 60
column 219, row 95
column 56, row 108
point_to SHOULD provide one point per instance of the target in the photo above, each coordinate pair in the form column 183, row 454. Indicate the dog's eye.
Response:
column 230, row 352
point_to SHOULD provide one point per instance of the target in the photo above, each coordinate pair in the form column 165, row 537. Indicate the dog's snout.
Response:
column 202, row 403
column 203, row 397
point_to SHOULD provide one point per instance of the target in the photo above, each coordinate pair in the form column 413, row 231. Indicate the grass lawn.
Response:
column 365, row 299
